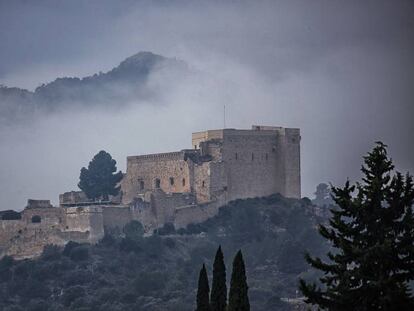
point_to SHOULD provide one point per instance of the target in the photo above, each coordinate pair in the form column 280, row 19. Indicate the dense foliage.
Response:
column 99, row 180
column 132, row 272
column 203, row 291
column 238, row 295
column 218, row 299
column 373, row 236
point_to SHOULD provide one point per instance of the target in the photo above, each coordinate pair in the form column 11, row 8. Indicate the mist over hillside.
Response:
column 284, row 63
column 113, row 89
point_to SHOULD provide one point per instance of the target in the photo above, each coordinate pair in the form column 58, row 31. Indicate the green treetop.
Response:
column 203, row 292
column 238, row 297
column 218, row 300
column 372, row 233
column 99, row 180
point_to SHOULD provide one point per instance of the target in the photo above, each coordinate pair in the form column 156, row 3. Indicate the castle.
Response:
column 182, row 187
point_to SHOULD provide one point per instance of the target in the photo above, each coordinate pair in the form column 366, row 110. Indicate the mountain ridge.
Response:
column 126, row 81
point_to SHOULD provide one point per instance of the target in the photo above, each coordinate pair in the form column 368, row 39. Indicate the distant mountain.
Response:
column 127, row 81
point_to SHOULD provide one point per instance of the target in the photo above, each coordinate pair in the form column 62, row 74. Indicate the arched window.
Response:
column 172, row 181
column 183, row 182
column 141, row 185
column 157, row 183
column 36, row 219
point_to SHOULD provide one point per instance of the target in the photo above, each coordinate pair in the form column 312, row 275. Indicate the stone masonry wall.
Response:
column 171, row 169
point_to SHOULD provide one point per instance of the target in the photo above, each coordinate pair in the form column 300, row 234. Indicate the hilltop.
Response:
column 131, row 272
column 126, row 82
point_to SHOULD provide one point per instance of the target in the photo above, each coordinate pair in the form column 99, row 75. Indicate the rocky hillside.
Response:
column 126, row 82
column 130, row 272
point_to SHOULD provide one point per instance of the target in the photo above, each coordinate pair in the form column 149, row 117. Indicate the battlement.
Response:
column 38, row 204
column 181, row 187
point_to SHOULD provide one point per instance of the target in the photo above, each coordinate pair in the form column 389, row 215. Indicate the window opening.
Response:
column 36, row 219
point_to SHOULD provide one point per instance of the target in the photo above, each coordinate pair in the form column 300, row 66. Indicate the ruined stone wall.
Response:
column 49, row 216
column 185, row 215
column 144, row 213
column 171, row 169
column 85, row 219
column 116, row 216
column 164, row 205
column 201, row 184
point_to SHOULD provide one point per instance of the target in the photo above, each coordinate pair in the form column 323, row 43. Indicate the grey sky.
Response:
column 342, row 71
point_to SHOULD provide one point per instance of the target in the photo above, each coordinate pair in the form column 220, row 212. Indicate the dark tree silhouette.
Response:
column 238, row 295
column 373, row 238
column 99, row 180
column 203, row 292
column 218, row 299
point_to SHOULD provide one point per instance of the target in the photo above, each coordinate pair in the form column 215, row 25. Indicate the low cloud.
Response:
column 341, row 72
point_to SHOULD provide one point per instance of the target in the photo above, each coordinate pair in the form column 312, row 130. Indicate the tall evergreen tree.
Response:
column 203, row 292
column 373, row 238
column 99, row 180
column 218, row 300
column 238, row 296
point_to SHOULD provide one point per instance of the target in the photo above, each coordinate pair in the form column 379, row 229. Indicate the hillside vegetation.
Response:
column 131, row 272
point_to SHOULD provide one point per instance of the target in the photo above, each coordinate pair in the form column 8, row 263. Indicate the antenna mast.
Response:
column 224, row 115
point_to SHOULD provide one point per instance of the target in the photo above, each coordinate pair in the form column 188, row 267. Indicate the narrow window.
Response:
column 252, row 156
column 183, row 182
column 172, row 181
column 157, row 183
column 195, row 146
column 141, row 185
column 203, row 184
column 236, row 156
column 36, row 219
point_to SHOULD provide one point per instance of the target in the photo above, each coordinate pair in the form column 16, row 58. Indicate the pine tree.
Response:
column 203, row 292
column 99, row 180
column 218, row 300
column 373, row 238
column 238, row 297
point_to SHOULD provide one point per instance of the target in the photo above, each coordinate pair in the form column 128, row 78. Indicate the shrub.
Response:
column 134, row 230
column 79, row 253
column 71, row 294
column 51, row 253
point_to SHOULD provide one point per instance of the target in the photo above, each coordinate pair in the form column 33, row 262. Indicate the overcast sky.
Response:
column 342, row 71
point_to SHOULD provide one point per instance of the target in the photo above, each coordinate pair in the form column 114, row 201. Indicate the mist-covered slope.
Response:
column 125, row 82
column 160, row 272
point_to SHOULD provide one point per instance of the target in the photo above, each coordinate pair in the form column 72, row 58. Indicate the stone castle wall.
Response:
column 171, row 169
column 257, row 162
column 182, row 187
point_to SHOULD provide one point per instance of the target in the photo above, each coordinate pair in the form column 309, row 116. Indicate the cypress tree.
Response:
column 372, row 233
column 203, row 292
column 218, row 300
column 238, row 297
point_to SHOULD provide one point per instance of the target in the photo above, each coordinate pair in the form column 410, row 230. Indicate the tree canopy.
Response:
column 100, row 179
column 218, row 299
column 372, row 233
column 238, row 297
column 203, row 291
